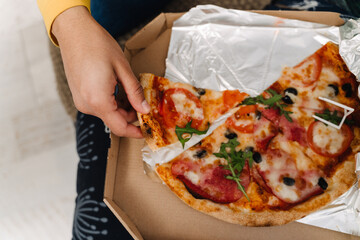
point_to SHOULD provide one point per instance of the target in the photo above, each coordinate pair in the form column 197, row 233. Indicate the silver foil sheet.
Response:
column 217, row 48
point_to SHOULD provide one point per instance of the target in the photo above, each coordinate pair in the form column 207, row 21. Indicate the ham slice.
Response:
column 280, row 173
column 209, row 181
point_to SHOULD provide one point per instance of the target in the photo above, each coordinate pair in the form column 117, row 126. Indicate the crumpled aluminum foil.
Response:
column 216, row 48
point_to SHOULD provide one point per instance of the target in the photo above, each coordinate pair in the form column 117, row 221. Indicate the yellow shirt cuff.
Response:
column 50, row 9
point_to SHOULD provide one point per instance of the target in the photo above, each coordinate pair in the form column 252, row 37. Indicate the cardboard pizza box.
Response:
column 145, row 206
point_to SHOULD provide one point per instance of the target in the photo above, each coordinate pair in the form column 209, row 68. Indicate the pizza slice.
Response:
column 322, row 74
column 271, row 162
column 289, row 104
column 179, row 110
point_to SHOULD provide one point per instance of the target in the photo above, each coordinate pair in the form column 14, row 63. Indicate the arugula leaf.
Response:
column 332, row 117
column 236, row 161
column 252, row 100
column 188, row 130
column 249, row 156
column 274, row 99
column 272, row 102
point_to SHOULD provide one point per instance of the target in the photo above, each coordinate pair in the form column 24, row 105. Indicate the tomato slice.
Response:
column 186, row 107
column 309, row 70
column 232, row 98
column 329, row 141
column 242, row 120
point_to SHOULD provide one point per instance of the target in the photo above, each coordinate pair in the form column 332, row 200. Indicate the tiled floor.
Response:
column 37, row 144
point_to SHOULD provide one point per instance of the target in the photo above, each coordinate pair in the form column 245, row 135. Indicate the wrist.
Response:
column 66, row 22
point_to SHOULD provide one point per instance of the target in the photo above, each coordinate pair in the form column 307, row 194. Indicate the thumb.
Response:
column 132, row 87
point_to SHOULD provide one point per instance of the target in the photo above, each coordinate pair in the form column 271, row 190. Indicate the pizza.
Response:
column 179, row 107
column 271, row 162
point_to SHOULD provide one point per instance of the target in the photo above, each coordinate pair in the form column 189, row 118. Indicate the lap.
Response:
column 93, row 220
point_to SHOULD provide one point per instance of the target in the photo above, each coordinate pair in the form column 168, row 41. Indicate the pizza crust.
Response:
column 203, row 105
column 150, row 128
column 151, row 131
column 339, row 183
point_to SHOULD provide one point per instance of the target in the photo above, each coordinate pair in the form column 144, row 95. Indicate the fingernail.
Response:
column 146, row 106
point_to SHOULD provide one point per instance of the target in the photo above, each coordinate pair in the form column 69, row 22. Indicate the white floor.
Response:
column 37, row 144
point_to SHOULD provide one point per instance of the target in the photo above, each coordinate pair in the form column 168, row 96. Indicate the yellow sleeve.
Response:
column 50, row 9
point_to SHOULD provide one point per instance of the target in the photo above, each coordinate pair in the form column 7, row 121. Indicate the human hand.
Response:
column 94, row 63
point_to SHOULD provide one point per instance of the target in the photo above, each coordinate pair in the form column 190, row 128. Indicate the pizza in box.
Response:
column 271, row 162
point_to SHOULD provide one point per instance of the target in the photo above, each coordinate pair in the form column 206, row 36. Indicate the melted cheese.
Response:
column 327, row 74
column 273, row 201
column 193, row 177
column 263, row 129
column 211, row 159
column 186, row 106
column 301, row 114
column 287, row 193
column 312, row 101
column 208, row 159
column 275, row 169
column 291, row 162
column 243, row 122
column 327, row 137
column 308, row 95
column 303, row 163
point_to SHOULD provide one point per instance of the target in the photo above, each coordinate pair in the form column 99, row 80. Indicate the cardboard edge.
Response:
column 154, row 58
column 111, row 167
column 171, row 18
column 124, row 219
column 153, row 30
column 140, row 40
column 322, row 17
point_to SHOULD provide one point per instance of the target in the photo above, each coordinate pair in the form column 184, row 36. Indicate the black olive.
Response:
column 336, row 89
column 249, row 149
column 257, row 157
column 348, row 94
column 200, row 154
column 322, row 183
column 149, row 131
column 291, row 90
column 287, row 100
column 230, row 135
column 257, row 115
column 201, row 91
column 289, row 181
column 347, row 89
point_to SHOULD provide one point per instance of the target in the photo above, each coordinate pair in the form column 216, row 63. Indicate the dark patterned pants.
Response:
column 93, row 220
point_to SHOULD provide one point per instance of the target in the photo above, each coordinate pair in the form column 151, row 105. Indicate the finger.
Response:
column 119, row 126
column 130, row 116
column 132, row 87
column 110, row 104
column 118, row 119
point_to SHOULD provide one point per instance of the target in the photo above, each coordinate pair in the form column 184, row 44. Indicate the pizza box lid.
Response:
column 146, row 207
